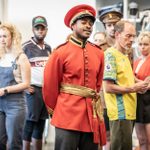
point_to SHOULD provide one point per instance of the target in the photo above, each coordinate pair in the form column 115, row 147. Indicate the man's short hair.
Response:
column 119, row 26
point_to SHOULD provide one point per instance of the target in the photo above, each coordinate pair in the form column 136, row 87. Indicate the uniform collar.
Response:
column 77, row 42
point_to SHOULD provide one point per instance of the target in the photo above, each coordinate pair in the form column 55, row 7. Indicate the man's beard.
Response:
column 82, row 37
column 127, row 49
column 39, row 38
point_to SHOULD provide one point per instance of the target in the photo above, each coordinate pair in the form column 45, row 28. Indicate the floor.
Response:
column 49, row 137
column 48, row 146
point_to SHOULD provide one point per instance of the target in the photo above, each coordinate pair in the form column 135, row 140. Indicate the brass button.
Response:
column 86, row 79
column 86, row 56
column 86, row 61
column 85, row 50
column 86, row 84
column 86, row 73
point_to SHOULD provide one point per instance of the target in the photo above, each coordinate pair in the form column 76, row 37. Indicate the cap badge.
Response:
column 39, row 20
column 110, row 15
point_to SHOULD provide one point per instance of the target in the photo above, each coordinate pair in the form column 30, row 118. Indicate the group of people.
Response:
column 22, row 109
column 93, row 97
column 114, row 74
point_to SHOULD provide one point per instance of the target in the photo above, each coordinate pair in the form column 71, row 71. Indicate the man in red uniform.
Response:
column 72, row 79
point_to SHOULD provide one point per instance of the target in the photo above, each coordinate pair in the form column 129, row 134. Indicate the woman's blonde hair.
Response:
column 15, row 37
column 144, row 34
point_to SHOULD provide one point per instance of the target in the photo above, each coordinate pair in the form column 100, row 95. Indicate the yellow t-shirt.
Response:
column 118, row 69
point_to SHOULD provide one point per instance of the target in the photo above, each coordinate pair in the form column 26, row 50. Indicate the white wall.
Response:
column 21, row 13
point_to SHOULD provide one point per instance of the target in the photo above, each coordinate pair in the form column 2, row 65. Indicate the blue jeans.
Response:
column 36, row 106
column 12, row 117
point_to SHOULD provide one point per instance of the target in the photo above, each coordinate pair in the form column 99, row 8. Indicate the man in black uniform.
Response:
column 37, row 52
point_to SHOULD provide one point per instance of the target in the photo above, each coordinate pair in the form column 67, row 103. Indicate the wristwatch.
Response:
column 5, row 91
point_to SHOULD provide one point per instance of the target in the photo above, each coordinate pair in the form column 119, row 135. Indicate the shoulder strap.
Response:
column 18, row 56
column 141, row 62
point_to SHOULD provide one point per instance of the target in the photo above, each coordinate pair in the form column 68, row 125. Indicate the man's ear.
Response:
column 46, row 29
column 72, row 26
column 104, row 25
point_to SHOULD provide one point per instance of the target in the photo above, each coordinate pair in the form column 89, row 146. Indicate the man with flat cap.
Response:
column 37, row 52
column 72, row 79
column 109, row 17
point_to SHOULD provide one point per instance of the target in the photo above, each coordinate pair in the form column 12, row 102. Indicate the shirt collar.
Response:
column 34, row 42
column 77, row 42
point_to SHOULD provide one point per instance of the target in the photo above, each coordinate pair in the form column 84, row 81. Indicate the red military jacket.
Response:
column 75, row 63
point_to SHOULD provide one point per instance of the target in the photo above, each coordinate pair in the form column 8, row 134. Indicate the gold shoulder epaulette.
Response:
column 61, row 45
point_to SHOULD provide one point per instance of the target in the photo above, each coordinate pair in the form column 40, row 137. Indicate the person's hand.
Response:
column 51, row 115
column 142, row 92
column 141, row 87
column 30, row 90
column 2, row 92
column 147, row 79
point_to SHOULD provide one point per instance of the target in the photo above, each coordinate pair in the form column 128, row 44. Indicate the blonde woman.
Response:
column 142, row 72
column 14, row 79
